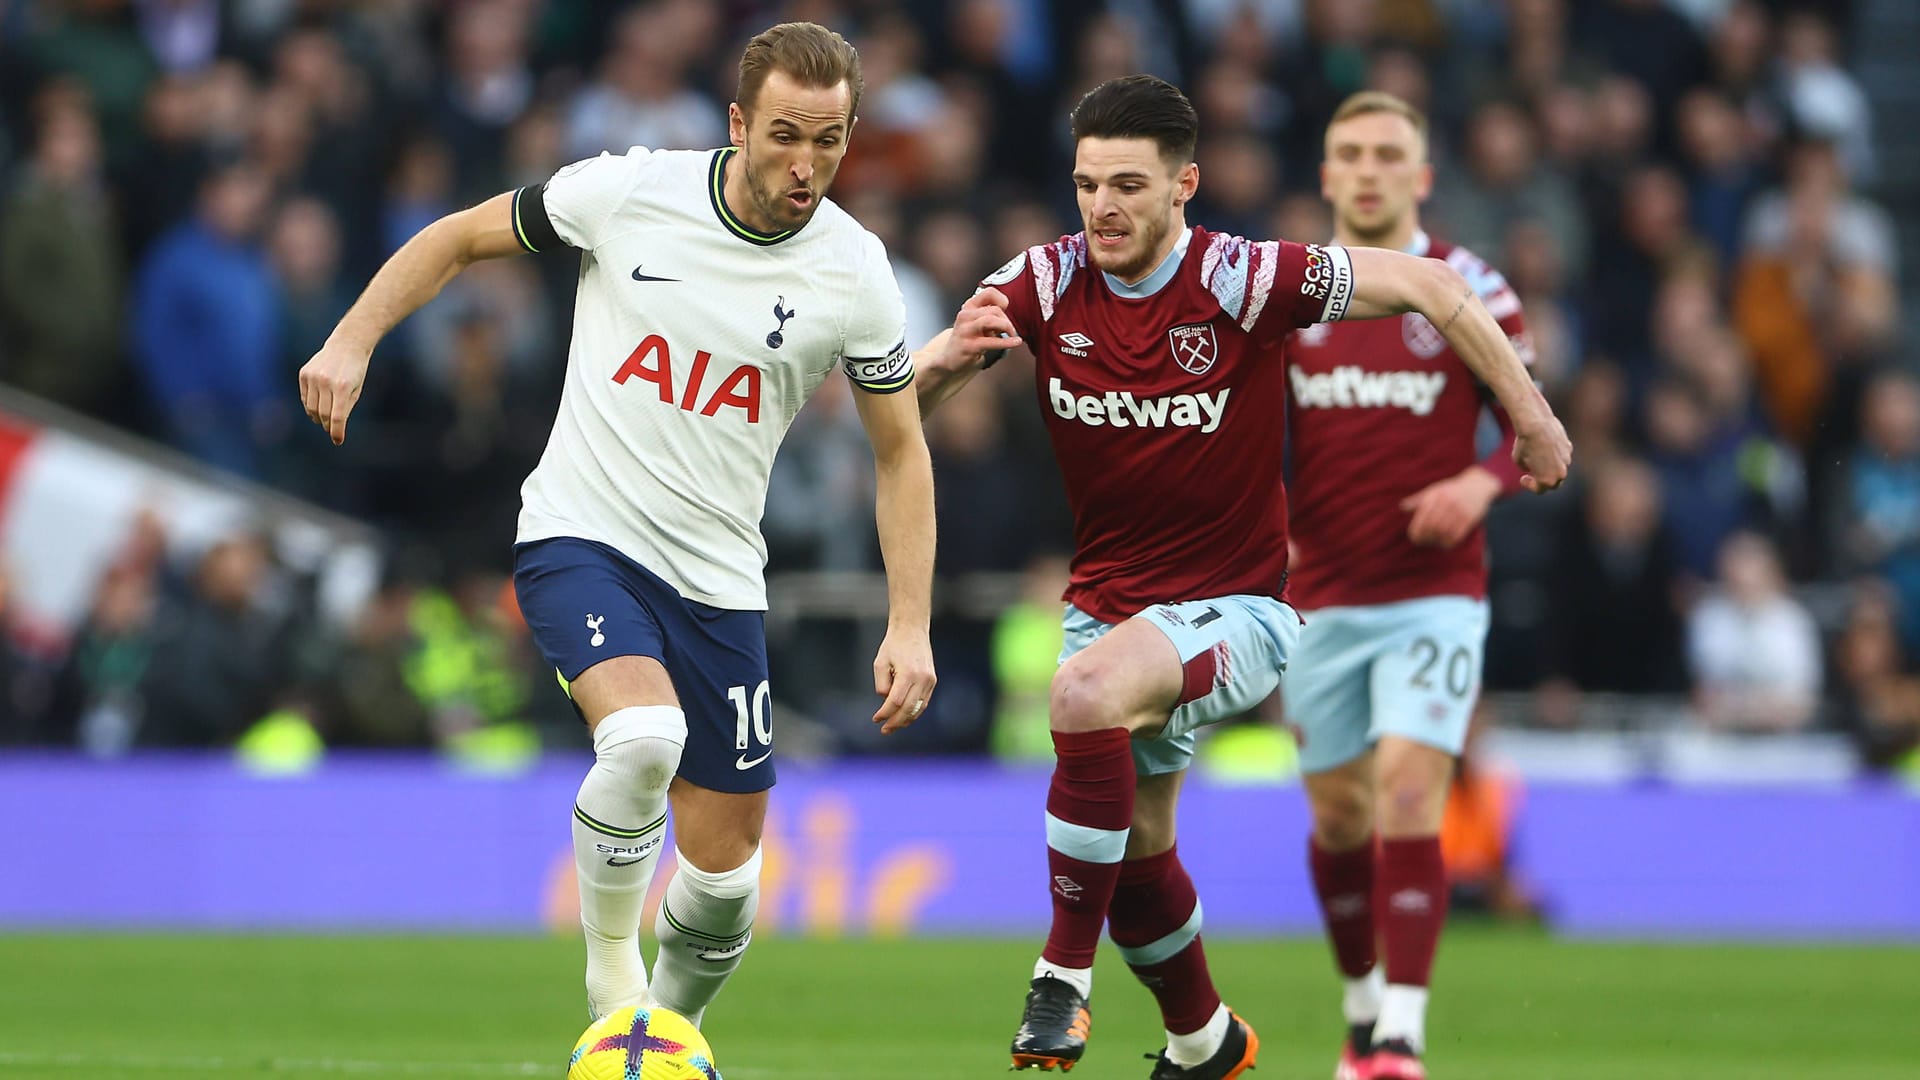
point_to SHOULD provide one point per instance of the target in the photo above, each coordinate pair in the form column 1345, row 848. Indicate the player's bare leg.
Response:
column 705, row 921
column 1410, row 897
column 1342, row 855
column 1155, row 920
column 1128, row 681
column 620, row 816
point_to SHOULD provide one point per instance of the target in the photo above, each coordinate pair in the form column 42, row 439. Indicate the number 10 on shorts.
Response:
column 758, row 715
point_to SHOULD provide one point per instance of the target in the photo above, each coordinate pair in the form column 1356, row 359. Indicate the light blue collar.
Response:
column 1422, row 243
column 1157, row 280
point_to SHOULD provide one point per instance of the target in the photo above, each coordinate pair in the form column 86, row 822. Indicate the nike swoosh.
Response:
column 638, row 276
column 743, row 764
column 624, row 862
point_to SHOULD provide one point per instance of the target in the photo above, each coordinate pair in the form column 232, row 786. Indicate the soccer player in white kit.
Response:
column 718, row 289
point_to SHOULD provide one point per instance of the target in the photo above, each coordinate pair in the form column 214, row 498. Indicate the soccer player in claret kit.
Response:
column 717, row 290
column 1160, row 375
column 1388, row 499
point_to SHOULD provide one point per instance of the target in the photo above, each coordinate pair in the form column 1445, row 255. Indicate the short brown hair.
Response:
column 1139, row 107
column 1379, row 101
column 809, row 53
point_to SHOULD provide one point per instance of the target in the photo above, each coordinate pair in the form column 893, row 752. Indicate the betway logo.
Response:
column 1122, row 409
column 1357, row 388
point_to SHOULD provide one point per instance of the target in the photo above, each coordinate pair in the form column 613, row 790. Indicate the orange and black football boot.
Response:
column 1054, row 1027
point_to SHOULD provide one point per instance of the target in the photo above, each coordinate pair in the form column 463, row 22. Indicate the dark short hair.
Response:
column 1140, row 107
column 810, row 54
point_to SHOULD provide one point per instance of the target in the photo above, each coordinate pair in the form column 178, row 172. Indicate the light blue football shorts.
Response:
column 1409, row 669
column 1233, row 650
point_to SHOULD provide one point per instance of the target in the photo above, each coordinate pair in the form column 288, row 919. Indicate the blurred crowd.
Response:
column 1681, row 191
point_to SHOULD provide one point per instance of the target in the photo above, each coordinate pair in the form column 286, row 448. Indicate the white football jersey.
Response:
column 695, row 341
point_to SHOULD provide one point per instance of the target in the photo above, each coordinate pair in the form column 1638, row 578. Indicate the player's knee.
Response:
column 1342, row 815
column 1411, row 802
column 642, row 745
column 1079, row 700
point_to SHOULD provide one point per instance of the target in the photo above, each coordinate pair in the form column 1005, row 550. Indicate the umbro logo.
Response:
column 638, row 276
column 1075, row 344
column 1411, row 901
column 1067, row 886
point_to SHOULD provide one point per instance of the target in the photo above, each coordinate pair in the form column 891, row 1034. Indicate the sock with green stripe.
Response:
column 619, row 826
column 704, row 926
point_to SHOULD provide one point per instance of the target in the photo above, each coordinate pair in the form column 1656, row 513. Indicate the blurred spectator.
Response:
column 1503, row 183
column 1699, row 467
column 975, row 482
column 101, row 689
column 1644, row 39
column 1241, row 178
column 487, row 83
column 60, row 270
column 640, row 98
column 372, row 702
column 218, row 661
column 159, row 191
column 1753, row 649
column 1878, row 695
column 1822, row 98
column 1027, row 641
column 98, row 43
column 206, row 328
column 1651, row 242
column 1723, row 172
column 464, row 670
column 819, row 511
column 1881, row 510
column 1614, row 624
column 1815, row 292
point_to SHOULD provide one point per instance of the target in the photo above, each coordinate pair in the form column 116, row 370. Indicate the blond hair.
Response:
column 1379, row 101
column 808, row 53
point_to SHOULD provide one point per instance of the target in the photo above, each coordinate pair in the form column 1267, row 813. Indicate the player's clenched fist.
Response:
column 903, row 674
column 1544, row 455
column 982, row 326
column 330, row 387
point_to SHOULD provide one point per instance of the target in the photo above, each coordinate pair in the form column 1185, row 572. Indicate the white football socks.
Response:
column 619, row 826
column 1403, row 1015
column 1194, row 1048
column 1362, row 1001
column 704, row 925
column 1080, row 979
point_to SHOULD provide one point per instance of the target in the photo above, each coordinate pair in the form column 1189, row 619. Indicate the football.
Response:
column 642, row 1044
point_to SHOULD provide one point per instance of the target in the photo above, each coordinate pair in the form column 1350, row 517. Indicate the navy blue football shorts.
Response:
column 586, row 602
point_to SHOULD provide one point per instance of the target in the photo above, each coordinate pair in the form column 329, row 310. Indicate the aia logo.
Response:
column 1194, row 347
column 652, row 361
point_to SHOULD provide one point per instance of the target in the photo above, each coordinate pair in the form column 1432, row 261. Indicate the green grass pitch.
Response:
column 1509, row 1006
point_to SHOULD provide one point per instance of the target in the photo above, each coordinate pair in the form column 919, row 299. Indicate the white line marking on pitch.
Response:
column 272, row 1065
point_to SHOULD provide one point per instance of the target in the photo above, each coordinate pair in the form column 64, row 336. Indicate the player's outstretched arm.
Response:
column 955, row 355
column 1390, row 282
column 330, row 382
column 903, row 669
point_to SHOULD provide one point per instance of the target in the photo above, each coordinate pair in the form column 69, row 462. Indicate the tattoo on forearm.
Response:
column 1457, row 309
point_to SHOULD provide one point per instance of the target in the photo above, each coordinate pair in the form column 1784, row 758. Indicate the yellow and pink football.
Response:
column 642, row 1044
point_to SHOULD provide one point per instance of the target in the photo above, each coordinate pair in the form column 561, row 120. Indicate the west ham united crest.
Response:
column 1194, row 347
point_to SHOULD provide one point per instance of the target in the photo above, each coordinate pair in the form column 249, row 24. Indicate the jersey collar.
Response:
column 1420, row 245
column 716, row 193
column 1157, row 280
